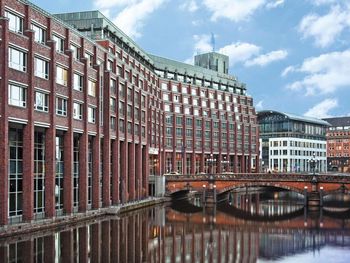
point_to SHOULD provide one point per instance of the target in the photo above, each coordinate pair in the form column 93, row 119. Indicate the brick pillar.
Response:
column 193, row 160
column 115, row 172
column 28, row 138
column 28, row 175
column 49, row 248
column 50, row 172
column 138, row 170
column 106, row 239
column 68, row 172
column 83, row 244
column 124, row 170
column 131, row 239
column 131, row 170
column 83, row 171
column 145, row 170
column 202, row 163
column 96, row 148
column 219, row 168
column 4, row 123
column 106, row 172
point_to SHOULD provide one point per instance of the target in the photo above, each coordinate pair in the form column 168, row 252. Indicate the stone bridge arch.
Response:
column 283, row 186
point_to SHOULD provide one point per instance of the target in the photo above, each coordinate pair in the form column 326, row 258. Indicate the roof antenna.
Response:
column 213, row 41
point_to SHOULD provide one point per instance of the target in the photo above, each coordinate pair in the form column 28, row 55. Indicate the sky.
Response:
column 294, row 55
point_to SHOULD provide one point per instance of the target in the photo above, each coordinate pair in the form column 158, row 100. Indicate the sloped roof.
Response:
column 338, row 121
column 294, row 117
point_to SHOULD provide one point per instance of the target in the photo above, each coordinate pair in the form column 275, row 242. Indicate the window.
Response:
column 77, row 111
column 113, row 102
column 78, row 82
column 113, row 85
column 61, row 106
column 75, row 52
column 15, row 22
column 41, row 68
column 17, row 59
column 17, row 95
column 91, row 114
column 39, row 34
column 92, row 88
column 41, row 101
column 59, row 43
column 113, row 120
column 90, row 59
column 61, row 76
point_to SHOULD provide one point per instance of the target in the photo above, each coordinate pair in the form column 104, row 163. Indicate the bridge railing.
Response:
column 330, row 178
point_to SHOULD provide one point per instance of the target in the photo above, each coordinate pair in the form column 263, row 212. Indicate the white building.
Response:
column 289, row 142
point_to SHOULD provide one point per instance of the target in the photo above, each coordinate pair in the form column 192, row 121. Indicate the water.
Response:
column 249, row 228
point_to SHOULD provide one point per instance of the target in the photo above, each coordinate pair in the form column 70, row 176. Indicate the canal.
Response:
column 248, row 228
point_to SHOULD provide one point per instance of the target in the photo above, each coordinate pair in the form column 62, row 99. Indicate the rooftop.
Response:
column 338, row 121
column 294, row 117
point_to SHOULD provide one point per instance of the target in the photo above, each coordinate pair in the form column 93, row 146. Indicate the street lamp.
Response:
column 211, row 162
column 225, row 163
column 313, row 162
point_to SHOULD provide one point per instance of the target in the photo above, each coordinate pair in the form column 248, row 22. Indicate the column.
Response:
column 83, row 171
column 68, row 173
column 193, row 160
column 202, row 163
column 145, row 170
column 115, row 172
column 50, row 141
column 28, row 138
column 138, row 170
column 131, row 171
column 4, row 124
column 106, row 170
column 96, row 148
column 123, row 170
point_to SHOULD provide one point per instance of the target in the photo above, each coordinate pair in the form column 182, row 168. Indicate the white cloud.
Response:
column 322, row 109
column 202, row 43
column 325, row 29
column 259, row 105
column 266, row 59
column 190, row 6
column 323, row 2
column 274, row 4
column 239, row 52
column 133, row 14
column 324, row 74
column 235, row 10
column 287, row 70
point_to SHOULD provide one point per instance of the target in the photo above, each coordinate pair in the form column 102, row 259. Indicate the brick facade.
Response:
column 125, row 135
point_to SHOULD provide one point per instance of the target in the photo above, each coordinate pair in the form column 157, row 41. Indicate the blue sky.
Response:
column 294, row 55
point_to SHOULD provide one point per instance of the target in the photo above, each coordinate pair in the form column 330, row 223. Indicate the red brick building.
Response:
column 338, row 144
column 84, row 117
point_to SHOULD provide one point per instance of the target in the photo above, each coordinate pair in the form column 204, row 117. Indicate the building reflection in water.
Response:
column 236, row 232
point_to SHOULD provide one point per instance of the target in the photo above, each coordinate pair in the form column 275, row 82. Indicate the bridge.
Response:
column 214, row 186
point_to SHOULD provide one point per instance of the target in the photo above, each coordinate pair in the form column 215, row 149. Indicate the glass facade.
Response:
column 39, row 172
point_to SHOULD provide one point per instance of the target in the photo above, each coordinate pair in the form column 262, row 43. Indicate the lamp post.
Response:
column 313, row 161
column 225, row 163
column 211, row 162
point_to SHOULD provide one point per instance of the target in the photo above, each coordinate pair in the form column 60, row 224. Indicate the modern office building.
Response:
column 288, row 142
column 338, row 144
column 86, row 115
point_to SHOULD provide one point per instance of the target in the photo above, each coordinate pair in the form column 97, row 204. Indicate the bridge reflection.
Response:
column 164, row 234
